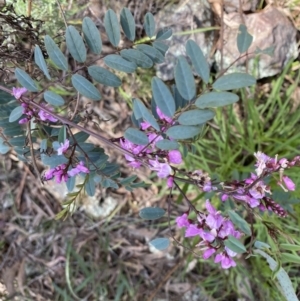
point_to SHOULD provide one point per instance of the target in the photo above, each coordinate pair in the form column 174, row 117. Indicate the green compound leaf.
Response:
column 239, row 222
column 140, row 111
column 198, row 60
column 75, row 44
column 196, row 117
column 162, row 47
column 112, row 27
column 160, row 243
column 244, row 39
column 234, row 81
column 234, row 245
column 163, row 97
column 216, row 99
column 84, row 87
column 181, row 132
column 184, row 79
column 149, row 25
column 92, row 35
column 163, row 34
column 154, row 54
column 25, row 80
column 15, row 114
column 40, row 61
column 151, row 213
column 282, row 276
column 166, row 144
column 127, row 23
column 135, row 136
column 53, row 98
column 103, row 76
column 118, row 63
column 137, row 57
column 55, row 54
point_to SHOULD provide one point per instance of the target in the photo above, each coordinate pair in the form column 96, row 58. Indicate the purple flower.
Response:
column 59, row 172
column 174, row 156
column 162, row 116
column 63, row 147
column 182, row 221
column 193, row 230
column 163, row 169
column 145, row 125
column 208, row 253
column 224, row 197
column 289, row 184
column 208, row 236
column 207, row 186
column 78, row 169
column 226, row 261
column 46, row 116
column 170, row 182
column 18, row 92
column 23, row 120
column 262, row 159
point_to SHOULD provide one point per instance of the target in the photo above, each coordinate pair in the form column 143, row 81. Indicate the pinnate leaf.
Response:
column 118, row 63
column 137, row 57
column 84, row 87
column 40, row 61
column 234, row 81
column 149, row 25
column 195, row 117
column 234, row 245
column 103, row 76
column 154, row 54
column 92, row 35
column 53, row 98
column 25, row 80
column 75, row 44
column 181, row 132
column 163, row 34
column 136, row 136
column 151, row 213
column 244, row 39
column 162, row 47
column 128, row 23
column 166, row 144
column 239, row 222
column 15, row 114
column 112, row 27
column 216, row 99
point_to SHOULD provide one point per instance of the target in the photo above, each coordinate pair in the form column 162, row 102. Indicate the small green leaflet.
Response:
column 3, row 147
column 92, row 35
column 103, row 76
column 84, row 87
column 62, row 134
column 163, row 97
column 80, row 137
column 127, row 23
column 239, row 222
column 181, row 132
column 198, row 60
column 160, row 243
column 244, row 39
column 90, row 186
column 234, row 245
column 162, row 47
column 234, row 81
column 40, row 61
column 112, row 27
column 25, row 80
column 53, row 98
column 149, row 25
column 55, row 54
column 137, row 57
column 151, row 213
column 154, row 54
column 216, row 99
column 15, row 114
column 75, row 44
column 136, row 136
column 184, row 79
column 166, row 144
column 195, row 117
column 118, row 63
column 163, row 34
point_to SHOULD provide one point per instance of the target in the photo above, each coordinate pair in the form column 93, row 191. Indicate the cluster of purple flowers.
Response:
column 31, row 112
column 213, row 229
column 157, row 160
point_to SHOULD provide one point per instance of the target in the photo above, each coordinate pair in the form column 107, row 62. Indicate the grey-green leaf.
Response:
column 40, row 61
column 140, row 111
column 198, row 60
column 184, row 79
column 239, row 222
column 163, row 34
column 92, row 35
column 75, row 44
column 154, row 54
column 137, row 57
column 216, row 99
column 118, row 63
column 162, row 47
column 3, row 147
column 112, row 27
column 128, row 23
column 84, row 87
column 15, row 114
column 55, row 54
column 149, row 25
column 136, row 136
column 53, row 98
column 166, row 144
column 181, row 132
column 90, row 186
column 180, row 102
column 25, row 80
column 163, row 97
column 103, row 76
column 234, row 81
column 234, row 245
column 244, row 39
column 151, row 213
column 160, row 243
column 196, row 117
